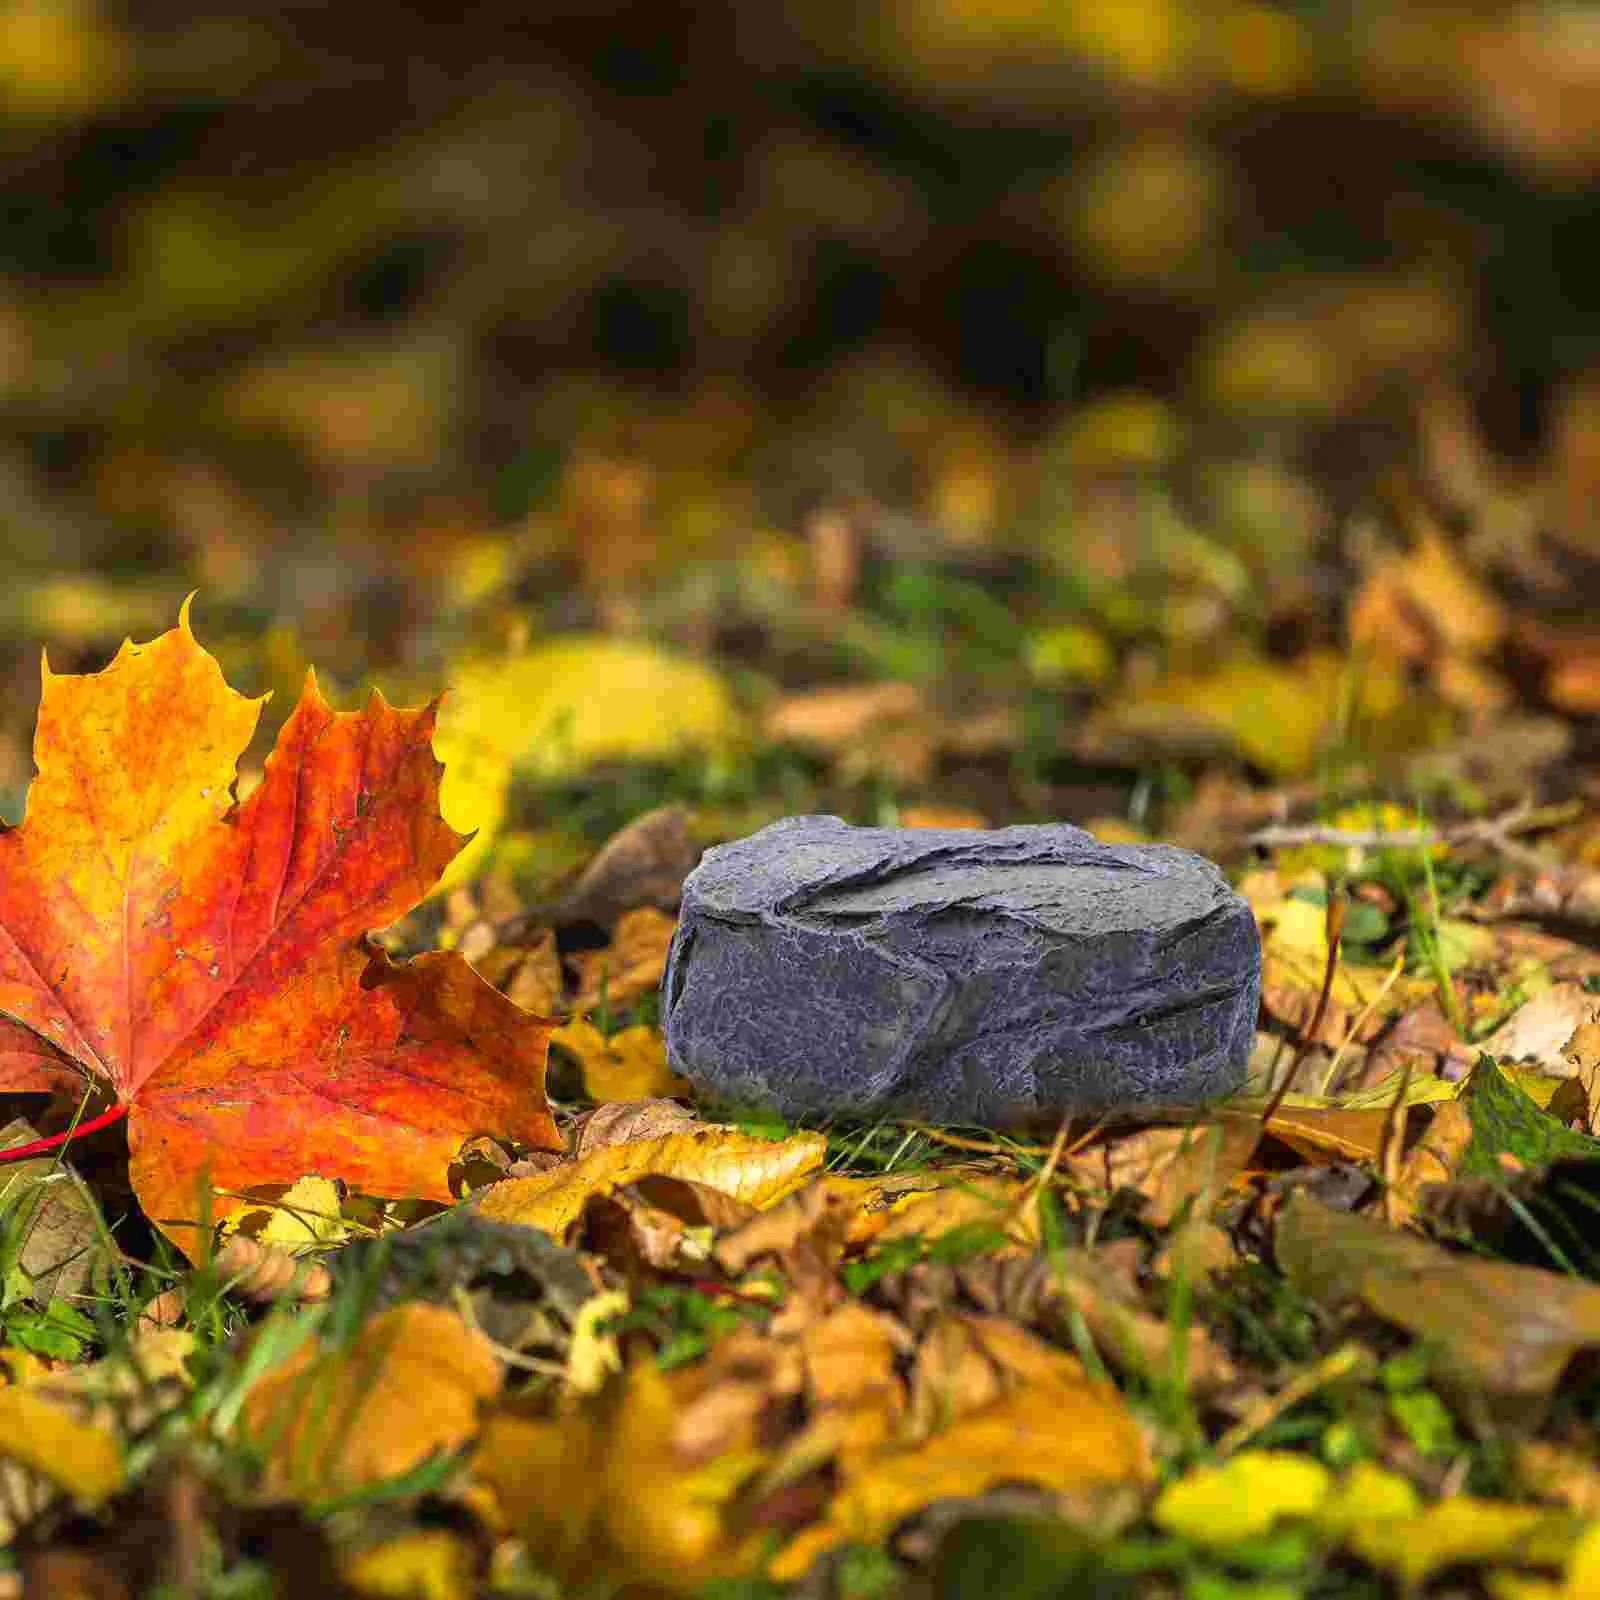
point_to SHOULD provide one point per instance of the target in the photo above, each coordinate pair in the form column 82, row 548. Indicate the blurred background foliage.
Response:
column 1032, row 404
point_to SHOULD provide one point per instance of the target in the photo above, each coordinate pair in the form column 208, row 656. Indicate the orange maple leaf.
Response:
column 208, row 961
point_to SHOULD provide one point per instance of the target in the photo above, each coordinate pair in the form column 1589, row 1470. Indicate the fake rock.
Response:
column 820, row 968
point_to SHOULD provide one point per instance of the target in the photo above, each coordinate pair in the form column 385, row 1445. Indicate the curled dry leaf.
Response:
column 643, row 864
column 206, row 961
column 757, row 1170
column 628, row 1121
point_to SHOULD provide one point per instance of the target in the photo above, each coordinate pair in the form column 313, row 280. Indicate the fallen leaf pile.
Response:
column 654, row 1352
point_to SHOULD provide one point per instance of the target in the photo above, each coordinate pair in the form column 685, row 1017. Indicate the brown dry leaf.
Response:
column 665, row 1223
column 630, row 1122
column 963, row 1200
column 1508, row 1330
column 857, row 1398
column 1540, row 1029
column 835, row 719
column 726, row 1399
column 1171, row 1166
column 1556, row 1472
column 1073, row 1437
column 966, row 1361
column 630, row 1065
column 1102, row 1290
column 760, row 1171
column 1321, row 1132
column 1431, row 1160
column 642, row 864
column 1463, row 614
column 630, row 966
column 815, row 1217
column 632, row 1502
column 536, row 983
column 334, row 1421
column 1583, row 1053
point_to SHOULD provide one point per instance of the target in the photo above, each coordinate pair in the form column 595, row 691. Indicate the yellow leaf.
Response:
column 1366, row 1493
column 759, row 1171
column 561, row 707
column 1278, row 714
column 1464, row 1528
column 1115, row 432
column 593, row 1356
column 308, row 1215
column 1242, row 1497
column 429, row 1564
column 935, row 1212
column 1068, row 1437
column 59, row 59
column 606, row 1493
column 329, row 1422
column 631, row 1065
column 78, row 1457
column 1583, row 1565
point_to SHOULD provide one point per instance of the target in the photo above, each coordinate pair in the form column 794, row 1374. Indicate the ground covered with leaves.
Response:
column 418, row 1272
column 1176, row 417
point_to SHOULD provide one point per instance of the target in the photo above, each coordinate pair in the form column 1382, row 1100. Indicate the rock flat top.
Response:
column 971, row 976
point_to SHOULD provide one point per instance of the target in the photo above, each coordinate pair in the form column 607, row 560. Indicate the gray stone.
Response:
column 824, row 969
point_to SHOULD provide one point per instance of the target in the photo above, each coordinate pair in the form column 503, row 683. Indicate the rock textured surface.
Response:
column 823, row 968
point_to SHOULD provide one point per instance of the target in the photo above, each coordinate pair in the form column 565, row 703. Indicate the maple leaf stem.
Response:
column 36, row 1147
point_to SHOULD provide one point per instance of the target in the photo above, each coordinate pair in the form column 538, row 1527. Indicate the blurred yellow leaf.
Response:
column 328, row 1422
column 428, row 1564
column 1141, row 40
column 1367, row 1493
column 758, row 1171
column 79, row 1457
column 1274, row 363
column 560, row 707
column 1242, row 1497
column 607, row 1493
column 1069, row 1436
column 631, row 1065
column 1148, row 210
column 60, row 59
column 931, row 1213
column 1264, row 49
column 1277, row 714
column 1117, row 431
column 1464, row 1528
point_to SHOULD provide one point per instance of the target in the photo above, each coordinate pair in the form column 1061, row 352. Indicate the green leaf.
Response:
column 1505, row 1119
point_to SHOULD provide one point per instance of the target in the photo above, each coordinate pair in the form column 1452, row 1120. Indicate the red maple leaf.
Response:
column 208, row 962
